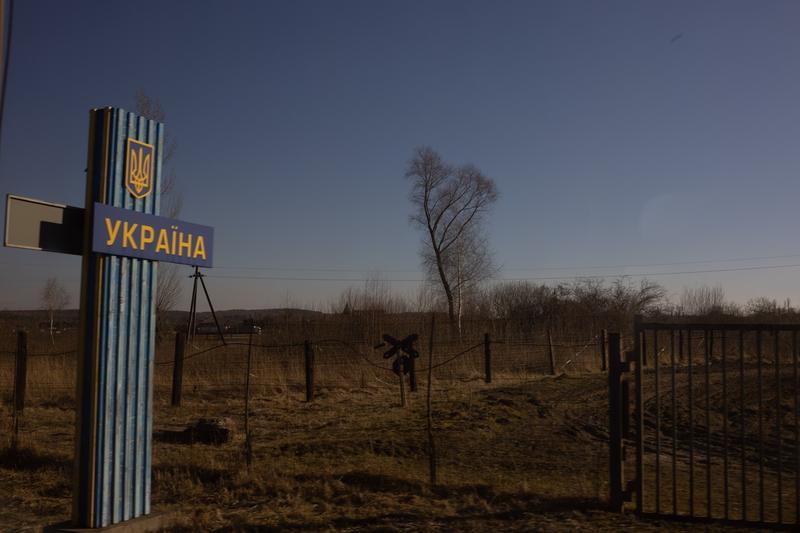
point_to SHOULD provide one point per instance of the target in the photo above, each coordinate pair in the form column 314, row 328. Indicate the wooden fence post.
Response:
column 603, row 342
column 177, row 368
column 551, row 354
column 487, row 358
column 20, row 382
column 308, row 352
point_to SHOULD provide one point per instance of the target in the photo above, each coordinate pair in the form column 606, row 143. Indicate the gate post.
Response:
column 615, row 477
column 638, row 357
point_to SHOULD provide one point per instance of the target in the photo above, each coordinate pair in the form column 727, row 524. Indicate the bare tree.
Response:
column 763, row 306
column 171, row 201
column 375, row 296
column 702, row 300
column 467, row 264
column 586, row 301
column 54, row 298
column 449, row 205
column 640, row 300
column 168, row 290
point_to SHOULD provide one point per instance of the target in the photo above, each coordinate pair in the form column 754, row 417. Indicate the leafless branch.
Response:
column 449, row 203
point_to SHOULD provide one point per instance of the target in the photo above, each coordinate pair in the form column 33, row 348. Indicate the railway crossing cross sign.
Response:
column 121, row 238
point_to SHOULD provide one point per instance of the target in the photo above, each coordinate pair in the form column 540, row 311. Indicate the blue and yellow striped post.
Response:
column 113, row 444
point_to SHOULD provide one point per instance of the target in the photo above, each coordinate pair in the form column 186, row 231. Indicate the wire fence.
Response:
column 209, row 366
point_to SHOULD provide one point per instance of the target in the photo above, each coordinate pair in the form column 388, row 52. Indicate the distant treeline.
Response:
column 512, row 310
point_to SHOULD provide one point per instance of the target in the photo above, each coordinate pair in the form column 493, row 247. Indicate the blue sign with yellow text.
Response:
column 132, row 234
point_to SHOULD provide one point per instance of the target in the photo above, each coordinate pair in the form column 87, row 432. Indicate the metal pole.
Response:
column 20, row 382
column 778, row 414
column 657, row 364
column 742, row 441
column 190, row 327
column 689, row 340
column 213, row 314
column 402, row 385
column 603, row 355
column 412, row 374
column 708, row 348
column 431, row 443
column 639, row 358
column 615, row 497
column 796, row 429
column 248, row 445
column 725, row 482
column 5, row 53
column 674, row 418
column 760, row 359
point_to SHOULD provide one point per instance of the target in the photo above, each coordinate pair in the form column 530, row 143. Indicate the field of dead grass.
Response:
column 531, row 456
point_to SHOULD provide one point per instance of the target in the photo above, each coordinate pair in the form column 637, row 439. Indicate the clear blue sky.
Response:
column 619, row 133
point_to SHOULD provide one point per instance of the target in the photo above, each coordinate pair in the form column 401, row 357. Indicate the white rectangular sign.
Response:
column 38, row 225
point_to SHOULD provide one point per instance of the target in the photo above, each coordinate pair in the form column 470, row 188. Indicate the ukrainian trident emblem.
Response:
column 139, row 168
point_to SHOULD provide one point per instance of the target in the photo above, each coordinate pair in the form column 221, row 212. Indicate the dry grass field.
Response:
column 528, row 452
column 529, row 456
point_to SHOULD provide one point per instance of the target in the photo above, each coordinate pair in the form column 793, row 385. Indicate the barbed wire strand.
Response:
column 354, row 350
column 165, row 363
column 453, row 358
column 45, row 354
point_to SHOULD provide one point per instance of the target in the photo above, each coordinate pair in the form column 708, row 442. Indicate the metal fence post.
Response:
column 248, row 443
column 625, row 392
column 615, row 497
column 639, row 358
column 603, row 345
column 551, row 354
column 412, row 374
column 487, row 358
column 308, row 352
column 177, row 369
column 20, row 381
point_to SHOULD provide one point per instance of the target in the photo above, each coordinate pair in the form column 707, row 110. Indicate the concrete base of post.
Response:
column 153, row 522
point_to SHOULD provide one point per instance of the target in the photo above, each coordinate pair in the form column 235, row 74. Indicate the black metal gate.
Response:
column 714, row 424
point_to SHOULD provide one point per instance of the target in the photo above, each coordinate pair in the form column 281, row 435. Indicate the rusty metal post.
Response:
column 177, row 369
column 487, row 358
column 20, row 382
column 615, row 496
column 308, row 352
